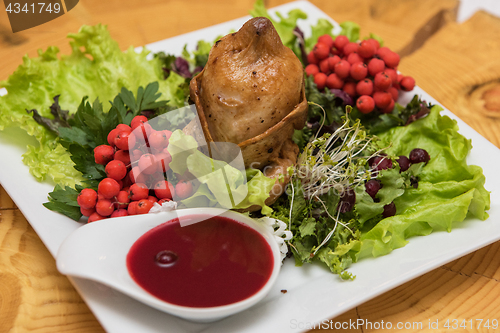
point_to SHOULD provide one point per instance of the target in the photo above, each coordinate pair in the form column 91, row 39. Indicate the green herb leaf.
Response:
column 64, row 200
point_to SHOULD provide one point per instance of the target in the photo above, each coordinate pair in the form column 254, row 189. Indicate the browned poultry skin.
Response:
column 251, row 92
column 250, row 83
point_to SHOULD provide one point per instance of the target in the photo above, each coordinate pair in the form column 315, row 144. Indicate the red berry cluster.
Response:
column 365, row 71
column 128, row 187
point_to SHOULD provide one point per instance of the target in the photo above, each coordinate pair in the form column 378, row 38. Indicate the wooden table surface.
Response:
column 458, row 64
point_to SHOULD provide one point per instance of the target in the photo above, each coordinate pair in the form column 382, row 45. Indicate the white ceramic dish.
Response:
column 313, row 293
column 105, row 260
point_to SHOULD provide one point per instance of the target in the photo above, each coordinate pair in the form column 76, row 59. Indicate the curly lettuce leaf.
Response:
column 448, row 190
column 323, row 27
column 96, row 68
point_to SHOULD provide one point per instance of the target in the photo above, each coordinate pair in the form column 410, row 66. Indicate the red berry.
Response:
column 138, row 191
column 124, row 156
column 365, row 104
column 350, row 88
column 311, row 59
column 123, row 127
column 136, row 176
column 382, row 81
column 164, row 158
column 342, row 69
column 158, row 140
column 109, row 188
column 132, row 208
column 183, row 190
column 116, row 169
column 162, row 201
column 374, row 42
column 104, row 207
column 394, row 93
column 87, row 198
column 350, row 48
column 407, row 83
column 392, row 74
column 382, row 99
column 340, row 41
column 366, row 49
column 153, row 199
column 148, row 164
column 353, row 58
column 326, row 39
column 103, row 154
column 320, row 80
column 122, row 199
column 383, row 51
column 375, row 66
column 312, row 69
column 334, row 81
column 138, row 120
column 358, row 70
column 167, row 133
column 164, row 190
column 332, row 61
column 111, row 137
column 143, row 206
column 321, row 51
column 324, row 66
column 389, row 108
column 87, row 212
column 119, row 212
column 125, row 140
column 364, row 87
column 95, row 217
column 391, row 59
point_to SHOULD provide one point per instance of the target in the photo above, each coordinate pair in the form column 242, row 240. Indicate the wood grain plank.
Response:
column 34, row 296
column 455, row 63
column 484, row 262
column 5, row 201
column 437, row 296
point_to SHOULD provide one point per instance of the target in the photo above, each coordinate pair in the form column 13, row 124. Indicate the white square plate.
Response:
column 313, row 293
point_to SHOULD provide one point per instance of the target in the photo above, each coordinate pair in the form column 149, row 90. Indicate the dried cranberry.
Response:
column 347, row 201
column 372, row 187
column 389, row 210
column 404, row 162
column 418, row 155
column 381, row 163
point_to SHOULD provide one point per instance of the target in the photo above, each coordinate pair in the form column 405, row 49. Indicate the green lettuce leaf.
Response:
column 323, row 27
column 96, row 68
column 448, row 190
column 220, row 184
column 350, row 30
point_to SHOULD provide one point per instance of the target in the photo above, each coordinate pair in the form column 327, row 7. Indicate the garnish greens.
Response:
column 448, row 191
column 87, row 129
column 96, row 68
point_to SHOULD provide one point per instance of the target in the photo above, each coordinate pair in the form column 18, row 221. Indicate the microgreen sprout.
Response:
column 335, row 162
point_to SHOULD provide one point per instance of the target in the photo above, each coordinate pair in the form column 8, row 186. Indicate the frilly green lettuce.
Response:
column 95, row 68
